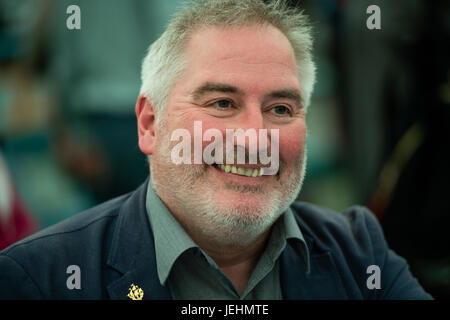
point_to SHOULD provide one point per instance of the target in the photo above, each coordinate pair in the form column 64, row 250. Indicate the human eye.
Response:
column 222, row 104
column 281, row 110
column 221, row 107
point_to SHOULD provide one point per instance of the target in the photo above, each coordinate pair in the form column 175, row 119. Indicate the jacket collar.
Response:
column 321, row 281
column 132, row 252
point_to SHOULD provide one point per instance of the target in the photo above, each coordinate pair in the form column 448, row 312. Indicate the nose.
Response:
column 248, row 135
column 251, row 117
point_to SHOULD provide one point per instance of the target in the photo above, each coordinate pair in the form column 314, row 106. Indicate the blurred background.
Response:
column 378, row 123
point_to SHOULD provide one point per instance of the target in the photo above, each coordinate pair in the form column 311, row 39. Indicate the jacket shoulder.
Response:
column 354, row 224
column 43, row 258
column 356, row 241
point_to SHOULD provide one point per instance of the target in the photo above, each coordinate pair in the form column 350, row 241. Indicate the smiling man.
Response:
column 228, row 229
column 231, row 80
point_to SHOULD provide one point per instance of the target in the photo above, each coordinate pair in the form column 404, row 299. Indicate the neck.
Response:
column 236, row 262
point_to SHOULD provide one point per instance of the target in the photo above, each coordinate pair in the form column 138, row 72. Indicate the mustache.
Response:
column 241, row 155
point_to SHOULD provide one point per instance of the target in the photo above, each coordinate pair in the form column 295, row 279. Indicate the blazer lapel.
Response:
column 321, row 282
column 132, row 253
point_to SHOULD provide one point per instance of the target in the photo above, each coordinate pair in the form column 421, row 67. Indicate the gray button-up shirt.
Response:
column 191, row 274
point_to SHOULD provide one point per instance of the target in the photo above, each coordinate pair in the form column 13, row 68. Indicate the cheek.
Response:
column 201, row 126
column 292, row 143
column 194, row 123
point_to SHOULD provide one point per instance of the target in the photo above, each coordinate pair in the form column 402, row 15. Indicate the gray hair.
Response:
column 165, row 63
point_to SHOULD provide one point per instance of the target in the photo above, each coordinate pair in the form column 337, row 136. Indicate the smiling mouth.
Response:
column 241, row 171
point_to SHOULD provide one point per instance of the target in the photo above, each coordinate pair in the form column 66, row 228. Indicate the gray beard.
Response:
column 234, row 225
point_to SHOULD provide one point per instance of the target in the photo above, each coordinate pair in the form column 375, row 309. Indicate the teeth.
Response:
column 241, row 171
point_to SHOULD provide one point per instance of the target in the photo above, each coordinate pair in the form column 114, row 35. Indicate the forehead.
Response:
column 253, row 51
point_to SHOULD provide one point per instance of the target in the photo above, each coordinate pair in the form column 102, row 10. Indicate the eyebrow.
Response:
column 214, row 87
column 208, row 87
column 291, row 94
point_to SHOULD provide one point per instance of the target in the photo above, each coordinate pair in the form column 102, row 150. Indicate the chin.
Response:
column 246, row 205
column 240, row 221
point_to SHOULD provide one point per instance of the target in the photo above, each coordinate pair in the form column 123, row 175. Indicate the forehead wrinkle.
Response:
column 247, row 60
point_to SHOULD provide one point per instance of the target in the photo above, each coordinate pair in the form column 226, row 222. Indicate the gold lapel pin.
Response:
column 135, row 293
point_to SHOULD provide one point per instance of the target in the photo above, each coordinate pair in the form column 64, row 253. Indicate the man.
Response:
column 217, row 229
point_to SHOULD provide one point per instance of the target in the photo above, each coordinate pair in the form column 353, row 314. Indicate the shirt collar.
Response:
column 295, row 236
column 171, row 240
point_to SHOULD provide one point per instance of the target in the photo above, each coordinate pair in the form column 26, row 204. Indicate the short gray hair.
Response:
column 164, row 62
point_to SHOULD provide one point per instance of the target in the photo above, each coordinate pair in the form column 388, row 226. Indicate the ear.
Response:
column 145, row 114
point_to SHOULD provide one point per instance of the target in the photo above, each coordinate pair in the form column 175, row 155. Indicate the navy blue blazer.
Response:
column 113, row 247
